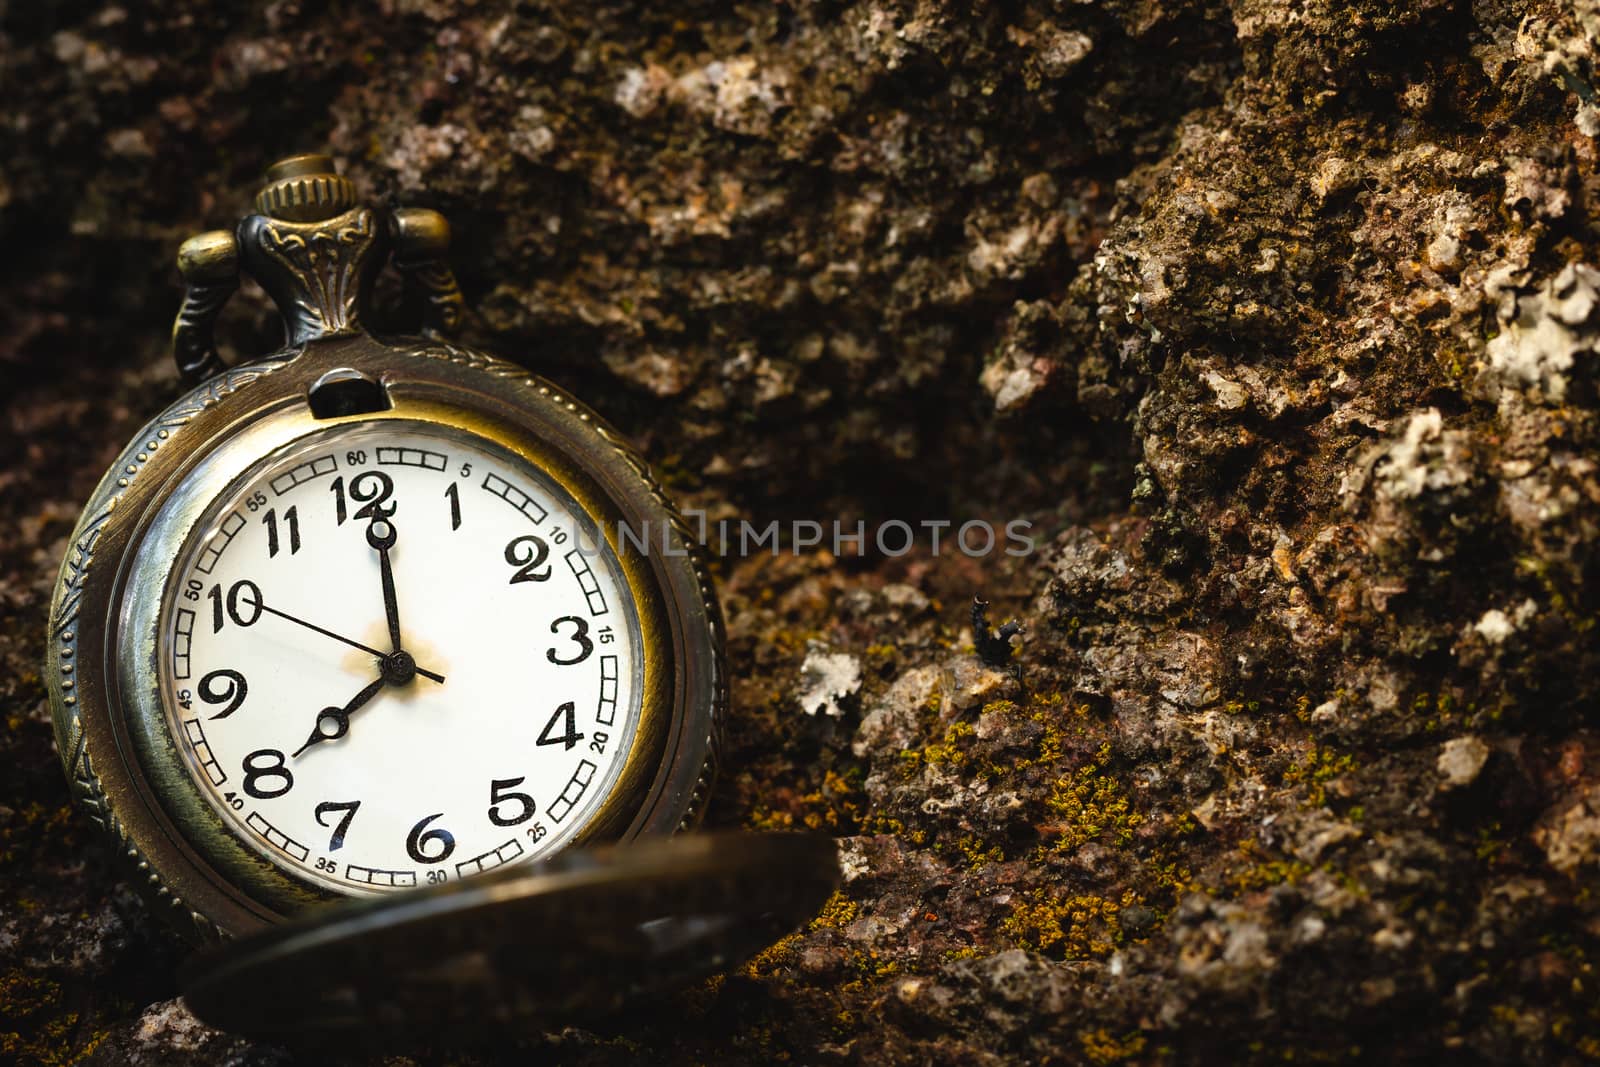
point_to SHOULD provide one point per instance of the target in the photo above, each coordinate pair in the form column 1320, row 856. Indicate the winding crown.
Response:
column 305, row 189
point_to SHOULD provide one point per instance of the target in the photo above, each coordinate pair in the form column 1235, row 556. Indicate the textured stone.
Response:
column 1275, row 319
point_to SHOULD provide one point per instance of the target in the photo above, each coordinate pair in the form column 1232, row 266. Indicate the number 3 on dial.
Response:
column 580, row 635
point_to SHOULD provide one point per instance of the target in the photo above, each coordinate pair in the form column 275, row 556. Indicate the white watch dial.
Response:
column 490, row 738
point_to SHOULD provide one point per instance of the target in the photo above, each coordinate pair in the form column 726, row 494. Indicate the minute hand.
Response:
column 381, row 536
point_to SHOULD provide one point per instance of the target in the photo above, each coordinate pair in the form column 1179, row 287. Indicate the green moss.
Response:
column 1264, row 871
column 1269, row 873
column 836, row 806
column 979, row 853
column 1071, row 926
column 1491, row 846
column 871, row 965
column 1316, row 769
column 1101, row 1046
column 951, row 751
column 34, row 1028
column 1088, row 804
column 965, row 952
column 881, row 658
column 840, row 910
column 775, row 958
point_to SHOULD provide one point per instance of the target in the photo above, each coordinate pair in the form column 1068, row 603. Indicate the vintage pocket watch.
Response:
column 367, row 615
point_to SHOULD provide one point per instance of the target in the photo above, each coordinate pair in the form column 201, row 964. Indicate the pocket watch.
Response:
column 371, row 614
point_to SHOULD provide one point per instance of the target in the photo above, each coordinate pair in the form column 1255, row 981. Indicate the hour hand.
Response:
column 333, row 723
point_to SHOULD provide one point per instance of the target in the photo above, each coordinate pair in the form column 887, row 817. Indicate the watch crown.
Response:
column 305, row 188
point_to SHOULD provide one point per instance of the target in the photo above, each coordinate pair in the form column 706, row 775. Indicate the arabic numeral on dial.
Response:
column 537, row 831
column 235, row 801
column 231, row 694
column 243, row 604
column 336, row 842
column 597, row 743
column 325, row 864
column 291, row 519
column 528, row 553
column 194, row 588
column 255, row 501
column 358, row 458
column 567, row 714
column 437, row 877
column 266, row 763
column 500, row 792
column 455, row 505
column 372, row 489
column 418, row 840
column 579, row 636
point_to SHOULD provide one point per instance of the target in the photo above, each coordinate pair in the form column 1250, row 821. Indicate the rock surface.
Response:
column 1278, row 321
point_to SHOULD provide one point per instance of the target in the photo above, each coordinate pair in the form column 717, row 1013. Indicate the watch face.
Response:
column 394, row 655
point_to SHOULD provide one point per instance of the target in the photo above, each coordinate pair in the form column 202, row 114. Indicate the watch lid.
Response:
column 572, row 938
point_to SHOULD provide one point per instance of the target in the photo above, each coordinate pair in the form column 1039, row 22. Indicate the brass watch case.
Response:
column 111, row 726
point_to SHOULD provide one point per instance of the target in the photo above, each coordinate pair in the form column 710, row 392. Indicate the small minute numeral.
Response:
column 336, row 842
column 243, row 604
column 232, row 694
column 291, row 519
column 500, row 792
column 566, row 714
column 528, row 553
column 455, row 505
